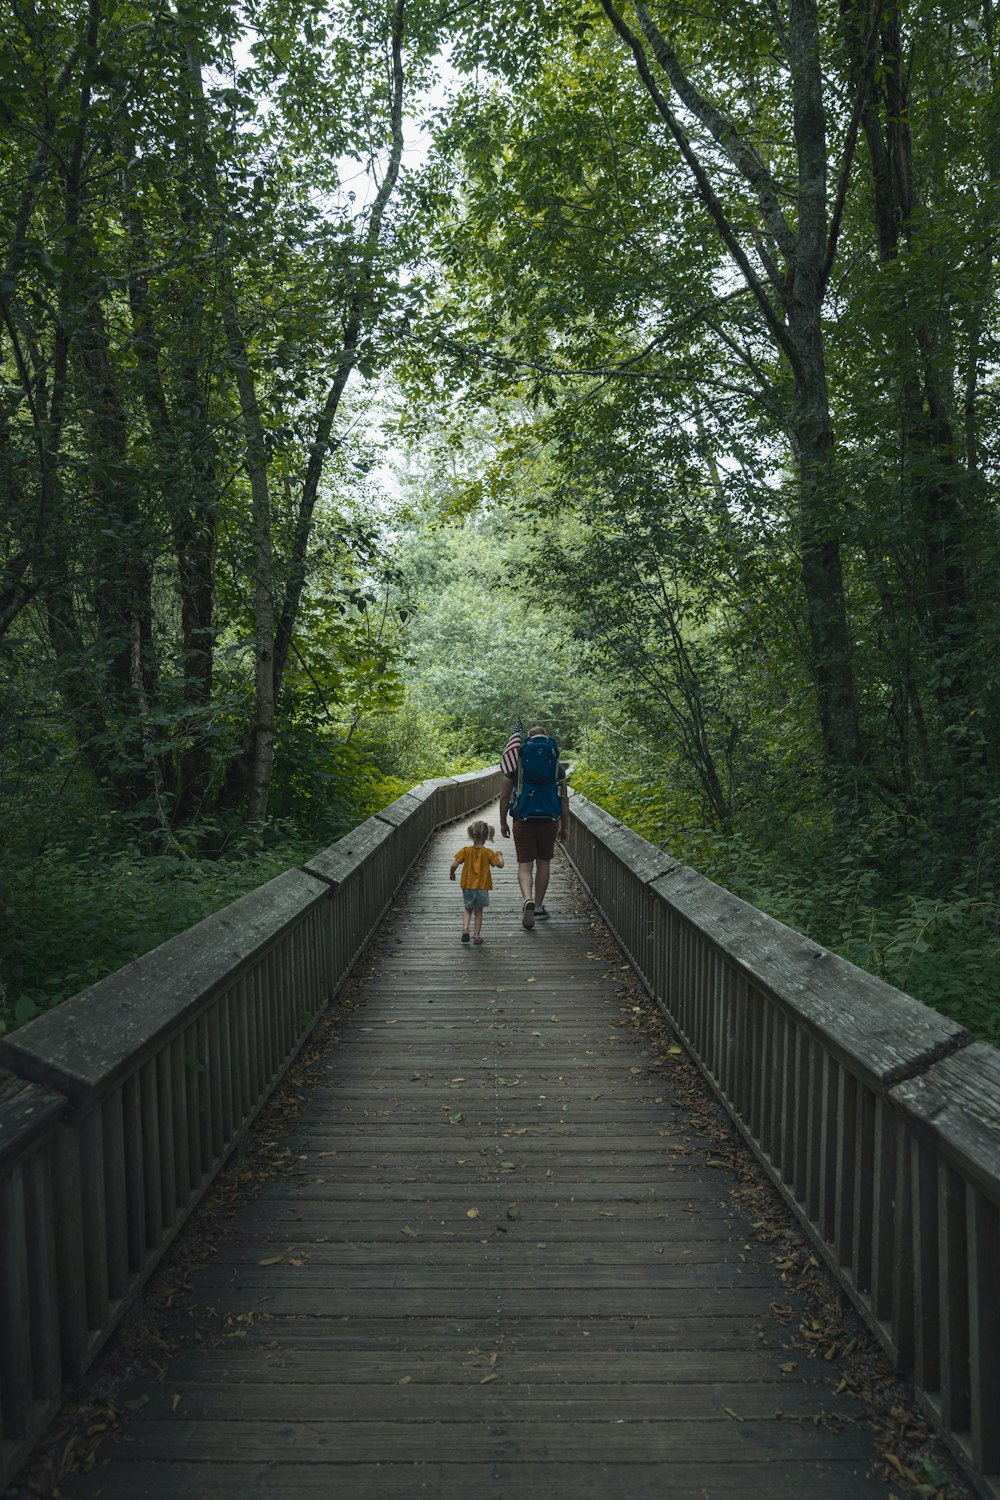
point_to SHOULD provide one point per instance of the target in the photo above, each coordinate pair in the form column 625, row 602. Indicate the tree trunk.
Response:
column 262, row 756
column 252, row 769
column 820, row 510
column 189, row 486
column 934, row 482
column 806, row 247
column 353, row 328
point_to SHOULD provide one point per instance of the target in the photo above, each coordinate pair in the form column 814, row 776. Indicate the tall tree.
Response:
column 709, row 230
column 188, row 287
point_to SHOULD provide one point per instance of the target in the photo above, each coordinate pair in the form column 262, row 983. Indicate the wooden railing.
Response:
column 118, row 1108
column 877, row 1118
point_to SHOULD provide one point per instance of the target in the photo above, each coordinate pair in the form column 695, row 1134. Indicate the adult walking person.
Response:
column 534, row 792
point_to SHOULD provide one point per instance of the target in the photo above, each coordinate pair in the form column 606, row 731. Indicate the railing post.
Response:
column 31, row 1349
column 951, row 1119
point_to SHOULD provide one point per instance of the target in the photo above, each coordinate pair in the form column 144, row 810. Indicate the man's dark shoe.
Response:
column 540, row 913
column 528, row 914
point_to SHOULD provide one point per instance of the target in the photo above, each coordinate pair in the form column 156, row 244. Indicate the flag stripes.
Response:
column 508, row 760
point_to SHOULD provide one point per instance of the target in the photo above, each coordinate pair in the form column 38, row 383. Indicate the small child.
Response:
column 477, row 882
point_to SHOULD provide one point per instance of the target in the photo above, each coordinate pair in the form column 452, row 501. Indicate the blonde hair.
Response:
column 479, row 832
column 537, row 730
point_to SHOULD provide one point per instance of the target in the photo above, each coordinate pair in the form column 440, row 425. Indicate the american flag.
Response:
column 508, row 760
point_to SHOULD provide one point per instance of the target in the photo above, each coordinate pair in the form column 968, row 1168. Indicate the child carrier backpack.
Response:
column 538, row 781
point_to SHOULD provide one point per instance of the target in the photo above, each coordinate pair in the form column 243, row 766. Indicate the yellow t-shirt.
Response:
column 476, row 864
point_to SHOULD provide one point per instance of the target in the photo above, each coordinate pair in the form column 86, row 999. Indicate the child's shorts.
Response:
column 473, row 898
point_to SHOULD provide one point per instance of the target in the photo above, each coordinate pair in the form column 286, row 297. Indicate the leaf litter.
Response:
column 915, row 1459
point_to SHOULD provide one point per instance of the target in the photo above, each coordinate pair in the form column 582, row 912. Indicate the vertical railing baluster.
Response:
column 15, row 1345
column 984, row 1331
column 926, row 1267
column 115, row 1196
column 41, row 1231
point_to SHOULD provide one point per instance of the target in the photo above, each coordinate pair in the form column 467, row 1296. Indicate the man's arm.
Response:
column 506, row 787
column 563, row 833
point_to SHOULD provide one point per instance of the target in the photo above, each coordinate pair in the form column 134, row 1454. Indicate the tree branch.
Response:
column 725, row 229
column 353, row 327
column 850, row 144
column 739, row 151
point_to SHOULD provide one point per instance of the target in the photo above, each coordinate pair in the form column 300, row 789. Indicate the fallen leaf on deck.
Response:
column 472, row 1213
column 175, row 1403
column 406, row 1380
column 730, row 1413
column 411, row 1232
column 270, row 1260
column 455, row 1118
column 486, row 1379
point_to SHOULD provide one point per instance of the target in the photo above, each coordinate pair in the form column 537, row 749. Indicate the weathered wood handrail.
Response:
column 118, row 1108
column 877, row 1118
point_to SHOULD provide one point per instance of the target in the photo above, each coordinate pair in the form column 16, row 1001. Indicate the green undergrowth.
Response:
column 80, row 916
column 83, row 890
column 74, row 910
column 940, row 946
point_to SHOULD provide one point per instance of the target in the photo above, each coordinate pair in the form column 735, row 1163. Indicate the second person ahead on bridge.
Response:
column 534, row 792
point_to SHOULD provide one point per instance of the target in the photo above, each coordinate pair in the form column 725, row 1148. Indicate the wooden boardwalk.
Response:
column 502, row 1267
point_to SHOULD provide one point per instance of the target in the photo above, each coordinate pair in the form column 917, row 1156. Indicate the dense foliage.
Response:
column 726, row 286
column 686, row 324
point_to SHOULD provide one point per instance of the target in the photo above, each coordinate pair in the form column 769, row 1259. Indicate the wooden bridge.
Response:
column 498, row 1257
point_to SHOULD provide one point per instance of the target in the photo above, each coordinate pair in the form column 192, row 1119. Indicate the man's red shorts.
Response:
column 535, row 839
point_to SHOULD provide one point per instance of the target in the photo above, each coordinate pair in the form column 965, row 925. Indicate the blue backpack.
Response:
column 538, row 794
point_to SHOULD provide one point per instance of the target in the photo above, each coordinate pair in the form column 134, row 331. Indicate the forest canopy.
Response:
column 372, row 373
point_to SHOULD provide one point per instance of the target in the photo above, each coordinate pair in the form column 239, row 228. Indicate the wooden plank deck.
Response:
column 501, row 1268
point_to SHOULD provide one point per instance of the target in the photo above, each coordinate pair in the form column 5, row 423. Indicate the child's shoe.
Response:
column 465, row 937
column 478, row 942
